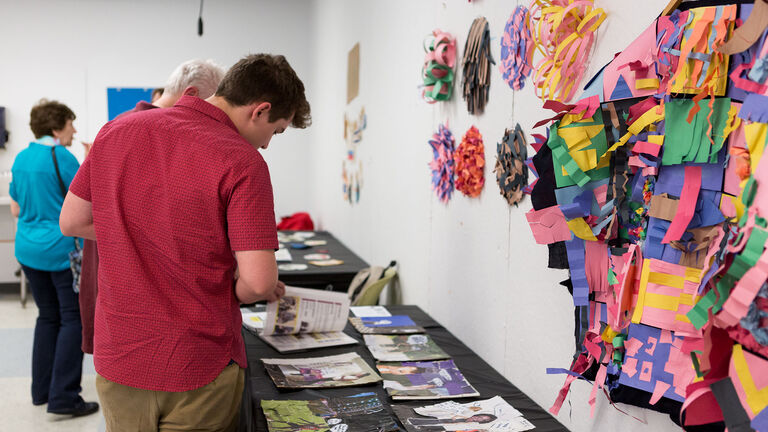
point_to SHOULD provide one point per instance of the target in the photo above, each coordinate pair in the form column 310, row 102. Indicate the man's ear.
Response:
column 191, row 91
column 261, row 109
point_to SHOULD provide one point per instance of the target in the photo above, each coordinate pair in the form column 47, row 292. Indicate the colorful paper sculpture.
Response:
column 511, row 170
column 442, row 164
column 437, row 73
column 470, row 163
column 516, row 49
column 661, row 202
column 563, row 32
column 476, row 66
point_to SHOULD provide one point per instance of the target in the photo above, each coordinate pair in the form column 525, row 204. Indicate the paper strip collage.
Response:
column 653, row 192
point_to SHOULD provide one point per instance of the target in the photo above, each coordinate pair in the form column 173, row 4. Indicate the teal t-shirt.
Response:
column 35, row 186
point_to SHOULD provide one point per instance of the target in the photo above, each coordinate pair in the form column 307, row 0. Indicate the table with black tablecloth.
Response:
column 336, row 278
column 483, row 378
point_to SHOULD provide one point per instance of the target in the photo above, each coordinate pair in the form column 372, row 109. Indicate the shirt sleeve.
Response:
column 81, row 184
column 250, row 210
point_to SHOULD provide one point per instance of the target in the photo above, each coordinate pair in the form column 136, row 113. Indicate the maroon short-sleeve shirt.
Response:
column 174, row 192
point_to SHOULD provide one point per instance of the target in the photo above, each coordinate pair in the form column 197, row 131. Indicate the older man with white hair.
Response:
column 196, row 77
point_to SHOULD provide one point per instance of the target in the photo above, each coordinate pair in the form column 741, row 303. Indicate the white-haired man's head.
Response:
column 202, row 75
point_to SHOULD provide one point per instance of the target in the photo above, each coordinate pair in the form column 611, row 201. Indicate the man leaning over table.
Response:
column 175, row 193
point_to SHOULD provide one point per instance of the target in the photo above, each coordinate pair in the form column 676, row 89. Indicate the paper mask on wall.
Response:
column 437, row 73
column 476, row 65
column 470, row 164
column 511, row 170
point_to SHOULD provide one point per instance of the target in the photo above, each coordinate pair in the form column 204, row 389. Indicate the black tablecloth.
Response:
column 337, row 277
column 487, row 381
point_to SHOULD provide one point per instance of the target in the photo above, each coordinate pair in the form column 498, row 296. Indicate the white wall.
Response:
column 472, row 264
column 72, row 50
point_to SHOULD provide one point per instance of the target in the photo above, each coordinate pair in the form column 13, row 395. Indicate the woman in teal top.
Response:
column 43, row 252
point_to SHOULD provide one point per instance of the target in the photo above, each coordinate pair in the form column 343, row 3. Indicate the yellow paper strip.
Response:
column 581, row 230
column 638, row 314
column 659, row 301
column 756, row 399
column 647, row 83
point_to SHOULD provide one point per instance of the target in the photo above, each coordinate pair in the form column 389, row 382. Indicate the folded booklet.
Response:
column 490, row 415
column 425, row 380
column 331, row 371
column 396, row 324
column 305, row 319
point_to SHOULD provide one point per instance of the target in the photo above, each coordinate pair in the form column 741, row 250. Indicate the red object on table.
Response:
column 296, row 222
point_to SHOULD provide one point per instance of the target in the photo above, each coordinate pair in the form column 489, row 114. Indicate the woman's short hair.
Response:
column 202, row 74
column 48, row 116
column 267, row 78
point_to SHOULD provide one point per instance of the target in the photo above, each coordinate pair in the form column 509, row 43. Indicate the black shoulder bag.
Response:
column 75, row 256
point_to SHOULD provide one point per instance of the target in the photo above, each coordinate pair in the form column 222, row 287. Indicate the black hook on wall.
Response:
column 200, row 20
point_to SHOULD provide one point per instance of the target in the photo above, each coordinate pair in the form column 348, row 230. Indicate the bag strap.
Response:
column 58, row 173
column 61, row 186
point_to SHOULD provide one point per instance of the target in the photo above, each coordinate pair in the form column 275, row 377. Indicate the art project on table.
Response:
column 341, row 370
column 425, row 380
column 363, row 412
column 416, row 347
column 651, row 186
column 487, row 415
column 395, row 324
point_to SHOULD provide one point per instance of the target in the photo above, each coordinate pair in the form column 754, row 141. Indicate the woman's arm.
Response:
column 15, row 208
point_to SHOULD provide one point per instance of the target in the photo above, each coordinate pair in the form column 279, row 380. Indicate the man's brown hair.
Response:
column 267, row 78
column 48, row 116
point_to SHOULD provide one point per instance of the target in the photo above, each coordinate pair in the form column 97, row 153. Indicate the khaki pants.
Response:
column 214, row 407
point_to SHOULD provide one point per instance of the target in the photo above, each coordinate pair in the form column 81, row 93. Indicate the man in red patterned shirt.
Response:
column 177, row 198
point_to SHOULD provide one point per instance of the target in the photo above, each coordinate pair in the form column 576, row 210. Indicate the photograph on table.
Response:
column 331, row 371
column 487, row 415
column 416, row 347
column 396, row 324
column 425, row 380
column 359, row 413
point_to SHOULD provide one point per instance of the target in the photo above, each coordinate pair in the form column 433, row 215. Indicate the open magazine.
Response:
column 306, row 318
column 425, row 380
column 341, row 370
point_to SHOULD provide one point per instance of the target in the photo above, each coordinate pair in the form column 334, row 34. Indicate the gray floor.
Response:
column 16, row 410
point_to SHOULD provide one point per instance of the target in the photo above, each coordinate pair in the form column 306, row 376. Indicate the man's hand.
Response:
column 277, row 293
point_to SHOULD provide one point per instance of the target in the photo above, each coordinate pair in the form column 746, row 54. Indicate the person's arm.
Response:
column 258, row 277
column 76, row 218
column 15, row 209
